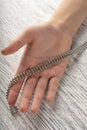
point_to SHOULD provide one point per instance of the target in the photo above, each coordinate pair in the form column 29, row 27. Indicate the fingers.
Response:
column 54, row 81
column 27, row 93
column 38, row 94
column 13, row 93
column 40, row 88
column 52, row 88
column 25, row 38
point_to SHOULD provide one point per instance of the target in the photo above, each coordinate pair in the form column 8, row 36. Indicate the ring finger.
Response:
column 39, row 93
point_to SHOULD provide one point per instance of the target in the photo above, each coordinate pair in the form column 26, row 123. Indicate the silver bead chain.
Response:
column 41, row 67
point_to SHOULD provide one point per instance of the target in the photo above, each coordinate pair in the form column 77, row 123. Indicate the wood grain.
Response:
column 69, row 111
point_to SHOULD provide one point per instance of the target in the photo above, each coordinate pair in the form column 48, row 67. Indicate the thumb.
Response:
column 25, row 38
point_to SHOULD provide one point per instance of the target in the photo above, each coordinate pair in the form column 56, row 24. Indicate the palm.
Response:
column 48, row 41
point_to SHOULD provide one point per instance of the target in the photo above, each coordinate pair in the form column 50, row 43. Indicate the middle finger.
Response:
column 39, row 93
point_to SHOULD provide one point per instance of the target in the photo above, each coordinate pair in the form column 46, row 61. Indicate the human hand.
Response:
column 42, row 41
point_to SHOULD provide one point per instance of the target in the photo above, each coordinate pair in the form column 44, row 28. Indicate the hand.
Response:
column 42, row 41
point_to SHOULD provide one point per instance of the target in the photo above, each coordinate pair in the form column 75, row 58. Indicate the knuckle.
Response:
column 53, row 90
column 39, row 98
column 42, row 87
column 46, row 74
column 54, row 83
column 27, row 97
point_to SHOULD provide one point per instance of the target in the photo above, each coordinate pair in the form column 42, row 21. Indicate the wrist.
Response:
column 62, row 25
column 70, row 15
column 61, row 30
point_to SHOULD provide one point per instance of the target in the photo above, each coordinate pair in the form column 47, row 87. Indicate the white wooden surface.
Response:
column 69, row 111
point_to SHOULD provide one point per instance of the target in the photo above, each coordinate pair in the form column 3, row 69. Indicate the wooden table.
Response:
column 69, row 111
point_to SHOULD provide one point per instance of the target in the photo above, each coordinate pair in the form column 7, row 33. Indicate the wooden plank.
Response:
column 69, row 111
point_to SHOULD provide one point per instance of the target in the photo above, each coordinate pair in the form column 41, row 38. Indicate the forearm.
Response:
column 70, row 14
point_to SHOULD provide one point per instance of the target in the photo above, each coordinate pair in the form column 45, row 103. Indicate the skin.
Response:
column 41, row 42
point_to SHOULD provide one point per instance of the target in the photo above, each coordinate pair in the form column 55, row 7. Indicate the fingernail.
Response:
column 34, row 109
column 11, row 98
column 24, row 105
